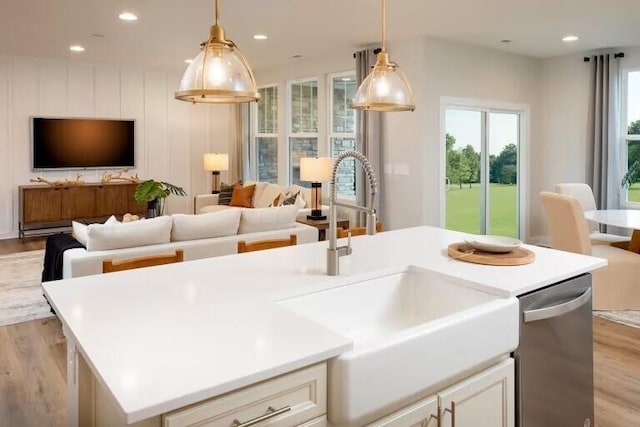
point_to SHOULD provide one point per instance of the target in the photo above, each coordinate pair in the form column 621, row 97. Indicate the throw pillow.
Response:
column 300, row 203
column 304, row 192
column 131, row 234
column 242, row 197
column 267, row 219
column 290, row 199
column 79, row 232
column 267, row 195
column 226, row 191
column 275, row 203
column 205, row 226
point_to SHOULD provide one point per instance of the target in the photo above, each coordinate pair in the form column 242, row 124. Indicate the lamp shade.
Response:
column 219, row 73
column 216, row 162
column 316, row 169
column 386, row 88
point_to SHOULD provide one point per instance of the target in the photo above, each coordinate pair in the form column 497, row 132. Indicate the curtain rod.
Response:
column 615, row 55
column 375, row 52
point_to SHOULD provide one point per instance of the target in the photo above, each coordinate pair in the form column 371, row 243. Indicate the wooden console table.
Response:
column 43, row 207
column 323, row 225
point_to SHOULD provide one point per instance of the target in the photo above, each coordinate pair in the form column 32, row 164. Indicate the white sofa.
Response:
column 79, row 262
column 263, row 195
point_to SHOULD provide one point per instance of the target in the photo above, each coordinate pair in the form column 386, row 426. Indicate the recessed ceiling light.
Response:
column 188, row 61
column 260, row 37
column 76, row 48
column 506, row 41
column 296, row 56
column 128, row 16
column 570, row 38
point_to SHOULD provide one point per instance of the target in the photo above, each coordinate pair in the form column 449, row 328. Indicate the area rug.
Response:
column 20, row 291
column 626, row 317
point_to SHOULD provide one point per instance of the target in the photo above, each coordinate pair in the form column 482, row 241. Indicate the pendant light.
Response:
column 386, row 88
column 219, row 73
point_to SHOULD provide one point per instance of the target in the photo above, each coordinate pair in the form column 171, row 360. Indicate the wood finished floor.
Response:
column 33, row 369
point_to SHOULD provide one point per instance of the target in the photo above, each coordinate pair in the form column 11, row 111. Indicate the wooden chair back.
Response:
column 358, row 231
column 109, row 266
column 266, row 244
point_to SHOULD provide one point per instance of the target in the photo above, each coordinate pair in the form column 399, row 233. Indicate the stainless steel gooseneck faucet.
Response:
column 334, row 252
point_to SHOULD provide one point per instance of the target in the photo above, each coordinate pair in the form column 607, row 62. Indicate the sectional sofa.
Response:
column 200, row 236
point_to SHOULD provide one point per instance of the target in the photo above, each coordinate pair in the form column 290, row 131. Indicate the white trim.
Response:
column 491, row 106
column 289, row 118
column 254, row 134
column 624, row 136
column 330, row 133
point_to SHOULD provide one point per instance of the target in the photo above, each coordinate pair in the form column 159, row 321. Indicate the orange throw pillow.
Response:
column 242, row 196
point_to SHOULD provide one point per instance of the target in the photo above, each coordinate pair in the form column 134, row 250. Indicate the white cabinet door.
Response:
column 486, row 399
column 423, row 413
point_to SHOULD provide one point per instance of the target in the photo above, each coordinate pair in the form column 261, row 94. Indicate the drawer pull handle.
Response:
column 271, row 412
column 452, row 411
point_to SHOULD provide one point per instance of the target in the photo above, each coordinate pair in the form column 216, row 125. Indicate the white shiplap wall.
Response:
column 171, row 135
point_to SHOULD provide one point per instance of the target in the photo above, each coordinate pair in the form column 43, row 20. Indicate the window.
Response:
column 303, row 127
column 343, row 130
column 266, row 139
column 631, row 134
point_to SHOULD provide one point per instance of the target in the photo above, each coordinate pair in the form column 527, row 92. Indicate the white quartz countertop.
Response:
column 162, row 338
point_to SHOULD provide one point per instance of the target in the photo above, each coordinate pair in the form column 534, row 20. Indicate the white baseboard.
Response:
column 6, row 236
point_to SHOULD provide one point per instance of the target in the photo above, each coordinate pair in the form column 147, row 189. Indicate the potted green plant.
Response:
column 153, row 193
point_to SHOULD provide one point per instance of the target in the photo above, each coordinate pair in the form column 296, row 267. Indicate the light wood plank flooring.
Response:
column 33, row 369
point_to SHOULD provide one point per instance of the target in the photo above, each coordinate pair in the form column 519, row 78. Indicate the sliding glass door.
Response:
column 482, row 185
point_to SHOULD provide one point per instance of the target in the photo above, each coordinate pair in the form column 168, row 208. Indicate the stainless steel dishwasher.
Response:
column 554, row 361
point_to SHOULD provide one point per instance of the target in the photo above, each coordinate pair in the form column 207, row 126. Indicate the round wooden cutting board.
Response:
column 465, row 252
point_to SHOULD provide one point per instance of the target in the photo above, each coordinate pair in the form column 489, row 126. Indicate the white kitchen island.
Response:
column 159, row 339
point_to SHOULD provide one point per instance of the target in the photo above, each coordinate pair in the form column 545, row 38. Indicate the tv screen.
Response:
column 65, row 143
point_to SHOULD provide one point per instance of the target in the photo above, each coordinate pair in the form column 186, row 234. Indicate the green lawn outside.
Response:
column 634, row 193
column 463, row 209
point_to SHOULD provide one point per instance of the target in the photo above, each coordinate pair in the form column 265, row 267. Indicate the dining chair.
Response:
column 109, row 266
column 357, row 231
column 585, row 197
column 260, row 245
column 616, row 286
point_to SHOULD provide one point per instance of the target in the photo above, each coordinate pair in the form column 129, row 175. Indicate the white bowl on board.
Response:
column 496, row 244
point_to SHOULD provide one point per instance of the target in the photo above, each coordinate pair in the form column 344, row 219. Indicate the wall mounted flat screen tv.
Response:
column 74, row 143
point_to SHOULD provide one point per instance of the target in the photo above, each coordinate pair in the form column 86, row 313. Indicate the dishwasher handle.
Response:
column 557, row 310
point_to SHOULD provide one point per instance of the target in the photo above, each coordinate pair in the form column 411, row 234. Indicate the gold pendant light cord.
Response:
column 217, row 8
column 384, row 25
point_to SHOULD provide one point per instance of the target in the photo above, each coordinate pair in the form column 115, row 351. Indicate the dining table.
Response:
column 623, row 218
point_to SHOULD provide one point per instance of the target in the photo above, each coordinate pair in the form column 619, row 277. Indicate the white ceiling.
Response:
column 169, row 31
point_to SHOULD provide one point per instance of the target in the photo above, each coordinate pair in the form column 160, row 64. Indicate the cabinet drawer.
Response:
column 298, row 397
column 423, row 413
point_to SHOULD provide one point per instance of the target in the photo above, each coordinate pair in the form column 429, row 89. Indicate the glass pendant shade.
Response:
column 386, row 88
column 219, row 73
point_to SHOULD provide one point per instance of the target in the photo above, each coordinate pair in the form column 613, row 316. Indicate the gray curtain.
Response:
column 604, row 124
column 239, row 148
column 368, row 138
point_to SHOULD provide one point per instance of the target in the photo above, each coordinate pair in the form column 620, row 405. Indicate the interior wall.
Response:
column 562, row 151
column 411, row 140
column 171, row 135
column 411, row 151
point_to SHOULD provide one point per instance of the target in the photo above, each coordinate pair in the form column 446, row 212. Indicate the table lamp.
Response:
column 317, row 171
column 216, row 162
